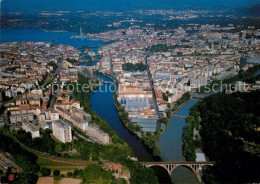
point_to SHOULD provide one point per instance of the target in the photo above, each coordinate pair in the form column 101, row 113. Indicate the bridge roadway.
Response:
column 178, row 162
column 196, row 167
column 108, row 82
column 200, row 96
column 179, row 116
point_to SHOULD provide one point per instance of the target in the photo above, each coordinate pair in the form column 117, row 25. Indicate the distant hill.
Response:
column 121, row 5
column 253, row 10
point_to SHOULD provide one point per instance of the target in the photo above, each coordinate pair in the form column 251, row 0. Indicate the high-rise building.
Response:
column 62, row 131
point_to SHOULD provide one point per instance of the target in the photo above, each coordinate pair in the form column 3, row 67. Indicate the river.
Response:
column 171, row 144
column 102, row 102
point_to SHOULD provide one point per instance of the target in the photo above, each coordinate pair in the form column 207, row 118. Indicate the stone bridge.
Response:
column 196, row 167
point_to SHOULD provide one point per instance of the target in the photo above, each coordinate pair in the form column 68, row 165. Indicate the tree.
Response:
column 134, row 67
column 69, row 174
column 58, row 148
column 120, row 181
column 226, row 127
column 137, row 128
column 45, row 171
column 56, row 172
column 164, row 120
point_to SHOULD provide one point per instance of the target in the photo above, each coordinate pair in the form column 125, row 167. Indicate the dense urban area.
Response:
column 50, row 132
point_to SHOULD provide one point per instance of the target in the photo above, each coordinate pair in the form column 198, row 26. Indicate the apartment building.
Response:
column 80, row 113
column 29, row 127
column 97, row 134
column 77, row 121
column 62, row 131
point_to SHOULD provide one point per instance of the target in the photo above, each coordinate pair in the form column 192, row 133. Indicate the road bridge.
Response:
column 107, row 82
column 196, row 167
column 179, row 116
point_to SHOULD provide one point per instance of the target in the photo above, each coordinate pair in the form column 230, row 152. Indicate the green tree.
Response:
column 45, row 171
column 56, row 172
column 69, row 174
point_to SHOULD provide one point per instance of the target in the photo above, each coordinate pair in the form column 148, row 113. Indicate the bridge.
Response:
column 199, row 96
column 108, row 82
column 179, row 116
column 196, row 167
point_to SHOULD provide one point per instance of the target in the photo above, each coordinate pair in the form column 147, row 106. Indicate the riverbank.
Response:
column 146, row 139
column 118, row 150
column 171, row 143
column 191, row 141
column 117, row 104
column 191, row 137
column 170, row 112
column 171, row 140
column 115, row 99
column 150, row 140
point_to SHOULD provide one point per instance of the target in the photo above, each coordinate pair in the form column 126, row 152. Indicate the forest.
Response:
column 229, row 130
column 23, row 158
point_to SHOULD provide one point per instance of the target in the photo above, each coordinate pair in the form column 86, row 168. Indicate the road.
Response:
column 151, row 84
column 54, row 93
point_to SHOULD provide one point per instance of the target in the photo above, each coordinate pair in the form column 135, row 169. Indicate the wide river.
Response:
column 102, row 102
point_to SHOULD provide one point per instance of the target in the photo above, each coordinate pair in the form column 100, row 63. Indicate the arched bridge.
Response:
column 196, row 167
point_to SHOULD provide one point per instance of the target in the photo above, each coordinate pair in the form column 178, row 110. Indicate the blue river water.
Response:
column 102, row 102
column 171, row 140
column 171, row 145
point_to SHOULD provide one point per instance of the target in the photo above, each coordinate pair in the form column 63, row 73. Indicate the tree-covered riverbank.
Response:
column 229, row 136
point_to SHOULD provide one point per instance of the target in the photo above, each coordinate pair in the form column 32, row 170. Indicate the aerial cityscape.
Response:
column 129, row 91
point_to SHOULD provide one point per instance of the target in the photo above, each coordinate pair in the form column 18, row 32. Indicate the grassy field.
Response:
column 98, row 181
column 63, row 167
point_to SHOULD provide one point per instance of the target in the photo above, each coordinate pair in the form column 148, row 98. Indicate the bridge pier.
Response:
column 198, row 176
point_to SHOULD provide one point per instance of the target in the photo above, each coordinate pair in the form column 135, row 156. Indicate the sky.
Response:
column 119, row 5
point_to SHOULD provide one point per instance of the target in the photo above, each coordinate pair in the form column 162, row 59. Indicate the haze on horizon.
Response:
column 120, row 5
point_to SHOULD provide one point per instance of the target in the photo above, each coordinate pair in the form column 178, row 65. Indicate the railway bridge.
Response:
column 196, row 167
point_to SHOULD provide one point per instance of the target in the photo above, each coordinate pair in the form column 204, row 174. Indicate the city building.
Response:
column 29, row 127
column 77, row 121
column 19, row 117
column 98, row 134
column 62, row 131
column 147, row 125
column 43, row 125
column 80, row 113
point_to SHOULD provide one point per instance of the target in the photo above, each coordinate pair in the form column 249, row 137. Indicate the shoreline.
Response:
column 157, row 158
column 175, row 112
